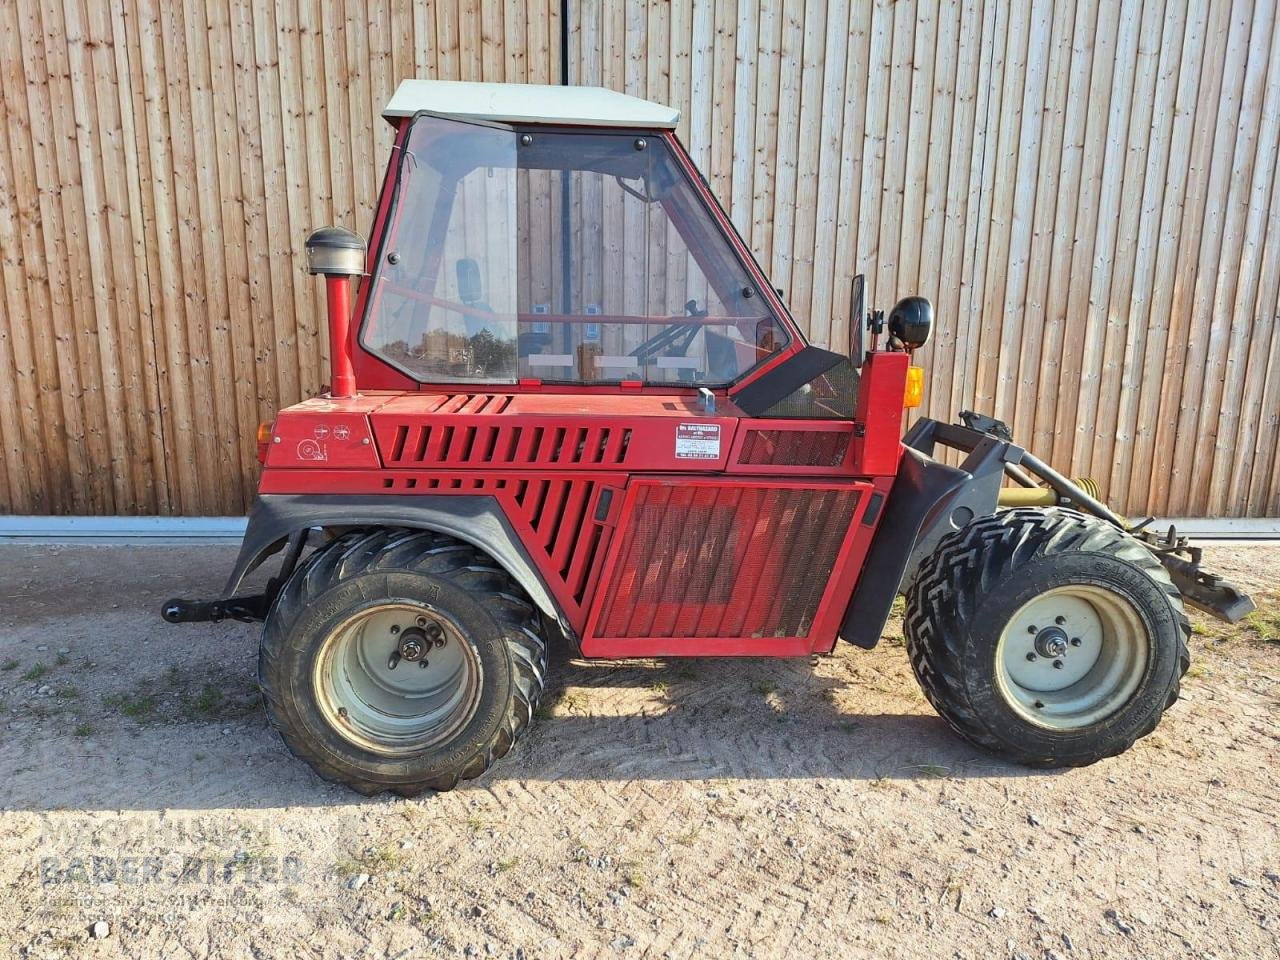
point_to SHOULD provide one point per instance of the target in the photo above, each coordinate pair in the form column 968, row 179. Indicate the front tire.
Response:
column 401, row 660
column 1047, row 637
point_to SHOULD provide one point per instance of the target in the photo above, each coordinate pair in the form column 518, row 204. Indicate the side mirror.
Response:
column 911, row 321
column 858, row 321
column 470, row 290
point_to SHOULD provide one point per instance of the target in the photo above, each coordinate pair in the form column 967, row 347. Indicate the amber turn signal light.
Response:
column 265, row 431
column 913, row 396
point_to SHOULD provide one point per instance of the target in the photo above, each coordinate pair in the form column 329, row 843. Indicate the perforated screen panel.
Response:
column 795, row 448
column 725, row 560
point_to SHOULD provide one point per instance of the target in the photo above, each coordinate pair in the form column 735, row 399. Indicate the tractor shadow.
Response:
column 855, row 715
column 197, row 737
column 139, row 715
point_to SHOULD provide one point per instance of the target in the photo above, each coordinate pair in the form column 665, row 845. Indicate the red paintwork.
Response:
column 526, row 432
column 338, row 300
column 547, row 458
column 584, row 472
column 690, row 604
column 373, row 373
column 876, row 444
column 761, row 446
column 323, row 432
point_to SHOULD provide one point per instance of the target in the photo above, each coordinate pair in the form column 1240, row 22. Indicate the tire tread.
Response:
column 967, row 564
column 424, row 552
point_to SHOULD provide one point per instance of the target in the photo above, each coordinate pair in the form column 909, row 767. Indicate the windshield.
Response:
column 561, row 256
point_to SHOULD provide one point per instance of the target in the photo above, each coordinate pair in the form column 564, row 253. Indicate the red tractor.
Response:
column 568, row 407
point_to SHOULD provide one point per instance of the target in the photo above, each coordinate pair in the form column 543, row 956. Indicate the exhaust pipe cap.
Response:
column 335, row 252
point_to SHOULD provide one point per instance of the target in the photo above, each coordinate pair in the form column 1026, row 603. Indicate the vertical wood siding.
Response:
column 161, row 163
column 1086, row 190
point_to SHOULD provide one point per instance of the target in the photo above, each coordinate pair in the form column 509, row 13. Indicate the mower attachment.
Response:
column 1201, row 589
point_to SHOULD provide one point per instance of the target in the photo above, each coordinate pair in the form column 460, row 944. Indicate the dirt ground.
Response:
column 658, row 808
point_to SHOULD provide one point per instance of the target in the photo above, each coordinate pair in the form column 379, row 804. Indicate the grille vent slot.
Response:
column 443, row 443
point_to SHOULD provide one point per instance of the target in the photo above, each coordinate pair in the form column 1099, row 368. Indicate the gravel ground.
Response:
column 657, row 808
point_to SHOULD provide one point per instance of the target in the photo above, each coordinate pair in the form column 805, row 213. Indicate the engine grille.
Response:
column 562, row 516
column 721, row 560
column 496, row 444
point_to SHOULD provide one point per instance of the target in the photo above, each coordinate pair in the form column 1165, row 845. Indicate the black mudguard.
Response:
column 477, row 520
column 929, row 499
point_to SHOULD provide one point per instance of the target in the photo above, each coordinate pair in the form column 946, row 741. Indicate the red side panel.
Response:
column 529, row 433
column 659, row 529
column 725, row 567
column 878, row 427
column 324, row 433
column 568, row 520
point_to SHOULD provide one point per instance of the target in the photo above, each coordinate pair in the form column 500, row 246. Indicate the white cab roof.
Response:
column 529, row 103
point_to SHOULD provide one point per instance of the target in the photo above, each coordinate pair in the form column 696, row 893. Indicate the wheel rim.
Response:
column 372, row 687
column 1072, row 656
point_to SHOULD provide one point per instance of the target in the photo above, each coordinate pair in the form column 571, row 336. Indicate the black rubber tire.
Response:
column 359, row 569
column 976, row 581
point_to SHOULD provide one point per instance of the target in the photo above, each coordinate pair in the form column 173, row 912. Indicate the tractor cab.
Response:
column 559, row 239
column 566, row 406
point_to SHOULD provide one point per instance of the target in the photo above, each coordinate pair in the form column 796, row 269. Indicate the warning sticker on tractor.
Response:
column 698, row 441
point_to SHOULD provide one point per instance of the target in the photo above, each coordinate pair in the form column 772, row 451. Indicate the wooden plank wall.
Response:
column 1085, row 189
column 161, row 163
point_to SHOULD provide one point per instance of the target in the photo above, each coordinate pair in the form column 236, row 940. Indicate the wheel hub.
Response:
column 1071, row 656
column 1051, row 642
column 413, row 645
column 397, row 711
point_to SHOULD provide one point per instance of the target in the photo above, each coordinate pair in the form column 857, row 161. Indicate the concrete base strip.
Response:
column 187, row 530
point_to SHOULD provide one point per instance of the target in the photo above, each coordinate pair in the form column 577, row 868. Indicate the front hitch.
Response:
column 1040, row 484
column 244, row 609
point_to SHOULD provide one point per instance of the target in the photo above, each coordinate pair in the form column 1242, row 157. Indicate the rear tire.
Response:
column 341, row 664
column 1046, row 636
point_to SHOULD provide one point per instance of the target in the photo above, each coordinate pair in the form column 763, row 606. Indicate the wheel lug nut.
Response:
column 1057, row 664
column 1059, row 620
column 1032, row 629
column 1030, row 657
column 422, row 664
column 394, row 659
column 1076, row 641
column 422, row 621
column 395, row 628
